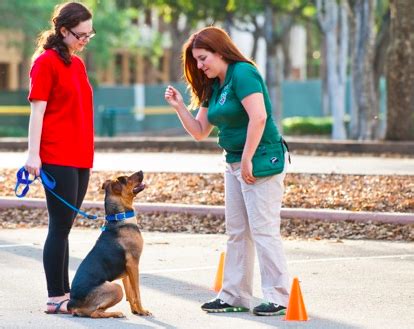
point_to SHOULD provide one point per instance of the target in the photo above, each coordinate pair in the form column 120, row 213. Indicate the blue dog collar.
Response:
column 120, row 216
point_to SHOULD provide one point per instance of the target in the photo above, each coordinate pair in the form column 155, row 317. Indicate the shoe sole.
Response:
column 283, row 312
column 226, row 310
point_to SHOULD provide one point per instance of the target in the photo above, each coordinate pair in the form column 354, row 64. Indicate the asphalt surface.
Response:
column 348, row 284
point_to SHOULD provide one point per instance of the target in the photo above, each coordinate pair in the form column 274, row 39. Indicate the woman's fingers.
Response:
column 249, row 179
column 169, row 93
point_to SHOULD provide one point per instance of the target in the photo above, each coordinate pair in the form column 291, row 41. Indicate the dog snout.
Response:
column 140, row 175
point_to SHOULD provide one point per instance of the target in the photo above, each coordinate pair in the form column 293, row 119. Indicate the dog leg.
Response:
column 103, row 297
column 135, row 301
column 100, row 314
column 127, row 288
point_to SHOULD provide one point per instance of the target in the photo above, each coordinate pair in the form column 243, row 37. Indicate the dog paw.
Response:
column 142, row 312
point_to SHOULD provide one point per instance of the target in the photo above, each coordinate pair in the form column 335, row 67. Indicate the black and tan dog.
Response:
column 115, row 255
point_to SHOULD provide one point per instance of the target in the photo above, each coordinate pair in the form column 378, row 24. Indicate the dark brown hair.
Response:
column 67, row 15
column 215, row 40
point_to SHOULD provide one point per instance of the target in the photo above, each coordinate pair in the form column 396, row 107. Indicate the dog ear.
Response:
column 106, row 183
column 122, row 179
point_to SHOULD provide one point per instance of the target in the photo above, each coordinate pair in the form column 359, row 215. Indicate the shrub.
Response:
column 302, row 126
column 307, row 126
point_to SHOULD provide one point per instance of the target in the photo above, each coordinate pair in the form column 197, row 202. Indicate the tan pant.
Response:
column 253, row 220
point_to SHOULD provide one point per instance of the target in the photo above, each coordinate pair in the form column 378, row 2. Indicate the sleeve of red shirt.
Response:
column 41, row 77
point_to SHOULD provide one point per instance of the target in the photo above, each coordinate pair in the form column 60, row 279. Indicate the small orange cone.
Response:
column 296, row 309
column 218, row 282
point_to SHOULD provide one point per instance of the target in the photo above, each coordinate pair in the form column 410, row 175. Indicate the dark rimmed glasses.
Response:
column 83, row 36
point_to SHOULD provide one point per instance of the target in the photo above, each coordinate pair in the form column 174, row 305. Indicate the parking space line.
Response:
column 341, row 259
column 171, row 270
column 335, row 259
column 15, row 245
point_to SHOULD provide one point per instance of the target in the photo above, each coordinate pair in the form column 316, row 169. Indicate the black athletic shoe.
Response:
column 219, row 306
column 269, row 309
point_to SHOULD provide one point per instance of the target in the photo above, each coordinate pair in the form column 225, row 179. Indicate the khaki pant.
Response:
column 253, row 220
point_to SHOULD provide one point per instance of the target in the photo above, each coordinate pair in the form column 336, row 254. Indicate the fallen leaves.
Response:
column 342, row 192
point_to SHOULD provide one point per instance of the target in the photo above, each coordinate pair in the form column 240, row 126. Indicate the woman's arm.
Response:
column 256, row 110
column 33, row 162
column 199, row 127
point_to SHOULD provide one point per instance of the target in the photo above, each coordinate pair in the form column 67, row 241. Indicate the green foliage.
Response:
column 113, row 28
column 307, row 125
column 113, row 25
column 29, row 17
column 301, row 126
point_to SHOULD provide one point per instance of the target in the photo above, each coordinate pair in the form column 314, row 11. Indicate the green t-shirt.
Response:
column 226, row 111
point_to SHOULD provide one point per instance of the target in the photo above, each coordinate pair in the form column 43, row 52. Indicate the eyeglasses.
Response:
column 83, row 36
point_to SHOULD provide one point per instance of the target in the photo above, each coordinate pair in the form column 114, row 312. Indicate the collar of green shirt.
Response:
column 227, row 79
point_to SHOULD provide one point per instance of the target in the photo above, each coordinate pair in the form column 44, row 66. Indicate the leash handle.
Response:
column 23, row 177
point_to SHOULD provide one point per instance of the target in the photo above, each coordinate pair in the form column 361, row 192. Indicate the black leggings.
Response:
column 71, row 185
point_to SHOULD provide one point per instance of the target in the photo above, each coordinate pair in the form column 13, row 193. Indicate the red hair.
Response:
column 215, row 40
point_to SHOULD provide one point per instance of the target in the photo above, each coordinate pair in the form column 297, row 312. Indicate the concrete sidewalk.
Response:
column 185, row 142
column 214, row 163
column 345, row 285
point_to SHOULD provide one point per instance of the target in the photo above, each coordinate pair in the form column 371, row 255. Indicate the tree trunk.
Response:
column 381, row 46
column 274, row 67
column 256, row 34
column 400, row 72
column 339, row 131
column 364, row 94
column 178, row 37
column 287, row 62
column 324, row 79
column 328, row 19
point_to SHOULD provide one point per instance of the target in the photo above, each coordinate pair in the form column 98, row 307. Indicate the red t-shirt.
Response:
column 67, row 134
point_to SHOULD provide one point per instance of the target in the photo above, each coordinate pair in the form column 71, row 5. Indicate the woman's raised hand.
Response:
column 173, row 97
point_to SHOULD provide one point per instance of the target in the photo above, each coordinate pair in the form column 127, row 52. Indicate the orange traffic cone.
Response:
column 218, row 282
column 296, row 309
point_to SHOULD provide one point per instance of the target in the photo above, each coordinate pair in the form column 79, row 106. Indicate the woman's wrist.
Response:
column 246, row 157
column 181, row 107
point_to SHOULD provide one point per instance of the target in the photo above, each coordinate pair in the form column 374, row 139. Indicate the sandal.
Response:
column 57, row 309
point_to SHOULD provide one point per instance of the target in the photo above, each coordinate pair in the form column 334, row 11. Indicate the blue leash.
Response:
column 49, row 183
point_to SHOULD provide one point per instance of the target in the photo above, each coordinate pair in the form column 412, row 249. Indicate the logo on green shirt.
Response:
column 223, row 95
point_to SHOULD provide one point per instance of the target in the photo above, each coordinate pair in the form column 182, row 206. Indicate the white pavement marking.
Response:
column 310, row 260
column 342, row 259
column 171, row 270
column 15, row 245
column 335, row 259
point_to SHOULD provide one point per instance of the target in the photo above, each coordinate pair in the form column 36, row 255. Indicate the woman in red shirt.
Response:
column 61, row 134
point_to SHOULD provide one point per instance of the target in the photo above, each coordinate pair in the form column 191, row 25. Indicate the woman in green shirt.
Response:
column 230, row 94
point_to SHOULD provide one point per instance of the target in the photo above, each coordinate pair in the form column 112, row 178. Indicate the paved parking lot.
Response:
column 345, row 284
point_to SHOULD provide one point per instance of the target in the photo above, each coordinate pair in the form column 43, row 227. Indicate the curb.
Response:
column 328, row 215
column 187, row 143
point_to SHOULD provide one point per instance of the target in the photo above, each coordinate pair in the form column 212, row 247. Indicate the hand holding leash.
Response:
column 33, row 165
column 23, row 178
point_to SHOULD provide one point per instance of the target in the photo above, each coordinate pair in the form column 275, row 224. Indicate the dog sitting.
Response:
column 115, row 255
